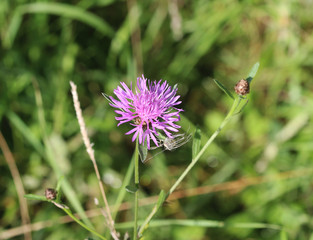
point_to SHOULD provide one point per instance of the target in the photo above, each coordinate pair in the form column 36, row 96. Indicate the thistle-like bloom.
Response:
column 150, row 109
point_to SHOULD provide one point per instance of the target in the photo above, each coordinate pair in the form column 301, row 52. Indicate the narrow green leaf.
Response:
column 131, row 189
column 283, row 235
column 26, row 132
column 107, row 97
column 143, row 152
column 196, row 143
column 13, row 28
column 59, row 183
column 69, row 212
column 145, row 224
column 60, row 9
column 70, row 11
column 224, row 89
column 253, row 225
column 58, row 189
column 35, row 197
column 161, row 199
column 121, row 194
column 253, row 72
column 200, row 223
column 122, row 35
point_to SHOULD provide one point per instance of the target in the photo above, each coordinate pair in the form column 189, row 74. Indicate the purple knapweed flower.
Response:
column 150, row 109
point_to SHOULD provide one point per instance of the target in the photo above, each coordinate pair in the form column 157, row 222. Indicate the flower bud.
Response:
column 242, row 87
column 50, row 193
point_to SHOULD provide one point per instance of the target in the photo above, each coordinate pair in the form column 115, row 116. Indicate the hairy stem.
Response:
column 90, row 151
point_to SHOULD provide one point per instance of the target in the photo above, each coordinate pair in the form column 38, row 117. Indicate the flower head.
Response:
column 150, row 109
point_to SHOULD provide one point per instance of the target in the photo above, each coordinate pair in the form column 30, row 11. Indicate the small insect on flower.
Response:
column 170, row 144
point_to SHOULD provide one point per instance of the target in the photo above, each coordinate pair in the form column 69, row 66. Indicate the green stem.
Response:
column 236, row 103
column 231, row 112
column 68, row 212
column 137, row 186
column 203, row 223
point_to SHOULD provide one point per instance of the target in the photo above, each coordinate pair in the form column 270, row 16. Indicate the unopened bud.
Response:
column 242, row 87
column 50, row 193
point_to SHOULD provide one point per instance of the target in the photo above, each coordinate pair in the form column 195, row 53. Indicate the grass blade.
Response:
column 203, row 223
column 253, row 72
column 29, row 136
column 48, row 154
column 131, row 189
column 59, row 183
column 60, row 9
column 284, row 236
column 224, row 89
column 35, row 197
column 13, row 28
column 196, row 143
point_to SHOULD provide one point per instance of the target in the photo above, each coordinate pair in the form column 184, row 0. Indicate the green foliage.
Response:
column 131, row 189
column 98, row 43
column 196, row 143
column 35, row 197
column 253, row 72
column 143, row 152
column 224, row 89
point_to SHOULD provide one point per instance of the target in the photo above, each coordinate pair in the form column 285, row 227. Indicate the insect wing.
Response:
column 184, row 140
column 171, row 144
column 176, row 142
column 148, row 159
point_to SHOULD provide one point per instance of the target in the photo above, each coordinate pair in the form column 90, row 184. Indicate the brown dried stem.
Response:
column 19, row 186
column 91, row 154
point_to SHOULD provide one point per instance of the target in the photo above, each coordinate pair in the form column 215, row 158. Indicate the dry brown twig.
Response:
column 90, row 151
column 19, row 186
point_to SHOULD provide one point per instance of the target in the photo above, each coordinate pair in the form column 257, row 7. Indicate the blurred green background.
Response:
column 97, row 44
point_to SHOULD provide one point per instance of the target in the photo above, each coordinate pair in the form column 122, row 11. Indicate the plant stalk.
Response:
column 68, row 212
column 211, row 139
column 136, row 193
column 230, row 114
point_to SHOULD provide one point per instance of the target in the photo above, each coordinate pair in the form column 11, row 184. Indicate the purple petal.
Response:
column 153, row 102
